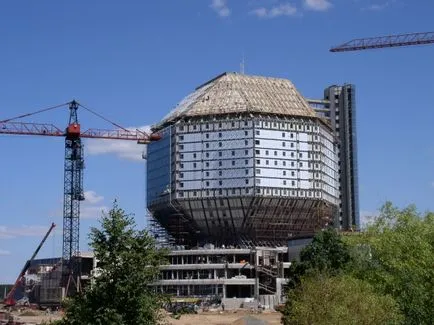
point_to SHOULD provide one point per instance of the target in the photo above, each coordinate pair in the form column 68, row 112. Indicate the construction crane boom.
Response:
column 9, row 300
column 386, row 41
column 20, row 128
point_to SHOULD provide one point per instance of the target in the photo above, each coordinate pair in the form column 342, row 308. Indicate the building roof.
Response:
column 231, row 93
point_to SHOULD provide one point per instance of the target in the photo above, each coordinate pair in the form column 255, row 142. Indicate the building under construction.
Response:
column 245, row 169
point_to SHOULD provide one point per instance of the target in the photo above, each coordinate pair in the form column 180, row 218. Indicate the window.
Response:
column 316, row 137
column 301, row 164
column 181, row 175
column 246, row 142
column 284, row 173
column 283, row 144
column 247, row 172
column 207, row 183
column 181, row 137
column 245, row 123
column 275, row 153
column 207, row 173
column 257, row 142
column 220, row 163
column 233, row 191
column 247, row 181
column 266, row 152
column 292, row 134
column 258, row 161
column 194, row 127
column 220, row 183
column 194, row 165
column 233, row 124
column 220, row 154
column 181, row 165
column 246, row 133
column 293, row 183
column 220, row 144
column 257, row 132
column 181, row 184
column 258, row 171
column 207, row 145
column 207, row 126
column 181, row 146
column 181, row 128
column 301, row 155
column 220, row 124
column 284, row 154
column 207, row 154
column 220, row 134
column 247, row 191
column 233, row 162
column 292, row 145
column 275, row 163
column 207, row 135
column 233, row 153
column 246, row 152
column 181, row 156
column 292, row 154
column 246, row 162
column 258, row 152
column 220, row 173
column 292, row 173
column 267, row 162
column 292, row 164
column 284, row 182
column 283, row 134
column 284, row 163
column 258, row 181
column 194, row 155
column 207, row 164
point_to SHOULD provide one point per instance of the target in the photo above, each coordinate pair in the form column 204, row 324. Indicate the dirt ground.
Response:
column 223, row 319
column 203, row 319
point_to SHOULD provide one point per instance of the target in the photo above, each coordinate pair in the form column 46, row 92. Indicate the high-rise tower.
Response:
column 339, row 107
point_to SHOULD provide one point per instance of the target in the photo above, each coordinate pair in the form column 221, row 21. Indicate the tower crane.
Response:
column 385, row 41
column 73, row 174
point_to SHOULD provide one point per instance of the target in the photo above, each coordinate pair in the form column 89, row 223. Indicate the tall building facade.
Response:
column 243, row 160
column 339, row 107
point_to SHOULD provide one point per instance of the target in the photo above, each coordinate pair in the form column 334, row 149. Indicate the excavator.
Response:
column 10, row 301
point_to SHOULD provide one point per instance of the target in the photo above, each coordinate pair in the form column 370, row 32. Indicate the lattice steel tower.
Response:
column 73, row 194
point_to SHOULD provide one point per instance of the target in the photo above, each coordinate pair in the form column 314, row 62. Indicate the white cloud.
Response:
column 22, row 231
column 221, row 8
column 92, row 197
column 379, row 6
column 317, row 5
column 89, row 211
column 4, row 252
column 123, row 149
column 286, row 9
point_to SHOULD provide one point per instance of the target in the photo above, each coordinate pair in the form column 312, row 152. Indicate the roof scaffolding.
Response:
column 232, row 93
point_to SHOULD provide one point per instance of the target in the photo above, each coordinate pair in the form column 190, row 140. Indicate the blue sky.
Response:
column 133, row 61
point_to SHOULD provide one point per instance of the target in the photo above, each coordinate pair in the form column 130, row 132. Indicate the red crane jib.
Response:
column 73, row 131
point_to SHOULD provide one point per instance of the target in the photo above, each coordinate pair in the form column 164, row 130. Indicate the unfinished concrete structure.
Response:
column 244, row 164
column 339, row 107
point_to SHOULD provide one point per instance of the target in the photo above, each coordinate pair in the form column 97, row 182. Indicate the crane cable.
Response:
column 102, row 117
column 33, row 113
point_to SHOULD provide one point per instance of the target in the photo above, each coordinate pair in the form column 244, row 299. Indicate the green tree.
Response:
column 326, row 253
column 128, row 261
column 321, row 299
column 396, row 255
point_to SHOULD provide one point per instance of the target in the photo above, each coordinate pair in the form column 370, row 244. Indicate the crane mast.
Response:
column 72, row 195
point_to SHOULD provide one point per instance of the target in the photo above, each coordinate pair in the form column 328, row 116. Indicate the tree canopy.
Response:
column 128, row 261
